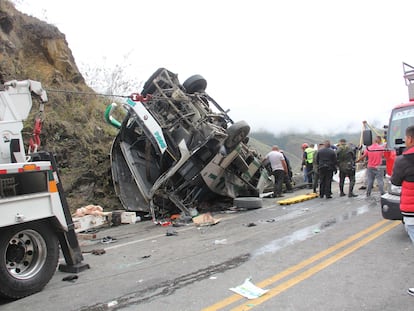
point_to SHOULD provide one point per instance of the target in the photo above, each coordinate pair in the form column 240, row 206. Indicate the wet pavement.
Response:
column 144, row 268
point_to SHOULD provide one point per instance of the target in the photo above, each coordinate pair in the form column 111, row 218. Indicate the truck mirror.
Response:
column 399, row 146
column 399, row 150
column 367, row 137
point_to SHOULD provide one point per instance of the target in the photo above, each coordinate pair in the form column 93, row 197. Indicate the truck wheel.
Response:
column 237, row 132
column 195, row 84
column 29, row 256
column 248, row 202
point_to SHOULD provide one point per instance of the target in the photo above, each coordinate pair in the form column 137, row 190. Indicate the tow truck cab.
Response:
column 401, row 117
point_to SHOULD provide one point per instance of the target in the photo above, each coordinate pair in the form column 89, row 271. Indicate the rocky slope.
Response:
column 74, row 129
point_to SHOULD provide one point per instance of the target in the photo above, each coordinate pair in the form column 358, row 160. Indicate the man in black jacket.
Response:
column 326, row 161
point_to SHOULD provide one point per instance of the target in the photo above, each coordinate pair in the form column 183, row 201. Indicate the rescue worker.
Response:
column 346, row 163
column 308, row 162
column 403, row 175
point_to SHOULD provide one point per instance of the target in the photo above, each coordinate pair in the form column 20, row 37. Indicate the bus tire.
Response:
column 248, row 202
column 237, row 133
column 195, row 84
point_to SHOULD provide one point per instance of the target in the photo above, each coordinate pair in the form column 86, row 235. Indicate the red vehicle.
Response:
column 401, row 117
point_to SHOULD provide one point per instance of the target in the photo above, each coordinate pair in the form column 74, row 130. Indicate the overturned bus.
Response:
column 177, row 150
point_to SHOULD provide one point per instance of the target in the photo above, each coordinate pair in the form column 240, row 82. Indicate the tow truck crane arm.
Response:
column 33, row 206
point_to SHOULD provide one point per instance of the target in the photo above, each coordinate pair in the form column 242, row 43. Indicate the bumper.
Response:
column 390, row 207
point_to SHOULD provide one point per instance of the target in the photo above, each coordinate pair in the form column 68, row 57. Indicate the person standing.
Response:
column 346, row 163
column 326, row 161
column 288, row 177
column 308, row 161
column 403, row 175
column 375, row 154
column 315, row 168
column 363, row 167
column 303, row 167
column 279, row 169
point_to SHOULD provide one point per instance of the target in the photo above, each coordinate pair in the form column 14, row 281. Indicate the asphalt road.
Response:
column 320, row 254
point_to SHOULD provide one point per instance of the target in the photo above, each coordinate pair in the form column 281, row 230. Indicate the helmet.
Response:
column 305, row 145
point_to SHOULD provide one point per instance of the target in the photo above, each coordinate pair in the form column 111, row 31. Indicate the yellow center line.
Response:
column 267, row 282
column 313, row 270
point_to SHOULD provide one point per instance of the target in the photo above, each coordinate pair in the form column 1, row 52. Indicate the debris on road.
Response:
column 95, row 210
column 93, row 216
column 112, row 303
column 220, row 242
column 251, row 224
column 70, row 278
column 108, row 239
column 205, row 220
column 171, row 232
column 249, row 290
column 89, row 221
column 96, row 252
column 182, row 220
column 86, row 236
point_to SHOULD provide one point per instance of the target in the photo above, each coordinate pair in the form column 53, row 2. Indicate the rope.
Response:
column 86, row 93
column 133, row 96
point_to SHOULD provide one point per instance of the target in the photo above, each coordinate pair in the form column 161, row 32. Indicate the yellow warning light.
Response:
column 29, row 167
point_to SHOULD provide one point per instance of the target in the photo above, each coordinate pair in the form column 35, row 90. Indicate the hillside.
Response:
column 73, row 128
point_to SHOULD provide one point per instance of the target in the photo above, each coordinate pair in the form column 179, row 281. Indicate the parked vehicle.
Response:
column 177, row 149
column 35, row 219
column 401, row 117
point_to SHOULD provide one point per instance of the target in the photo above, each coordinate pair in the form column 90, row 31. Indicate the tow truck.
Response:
column 401, row 117
column 35, row 222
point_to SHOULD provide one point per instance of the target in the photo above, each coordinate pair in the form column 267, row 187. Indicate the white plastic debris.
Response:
column 249, row 290
column 112, row 303
column 220, row 242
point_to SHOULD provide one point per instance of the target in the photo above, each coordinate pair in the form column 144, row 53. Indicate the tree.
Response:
column 113, row 80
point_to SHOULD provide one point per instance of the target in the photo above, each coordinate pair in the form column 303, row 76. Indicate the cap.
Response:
column 305, row 145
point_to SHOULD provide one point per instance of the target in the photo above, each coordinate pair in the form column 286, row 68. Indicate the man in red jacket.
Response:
column 403, row 175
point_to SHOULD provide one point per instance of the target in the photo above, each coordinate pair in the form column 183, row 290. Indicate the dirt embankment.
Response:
column 74, row 129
